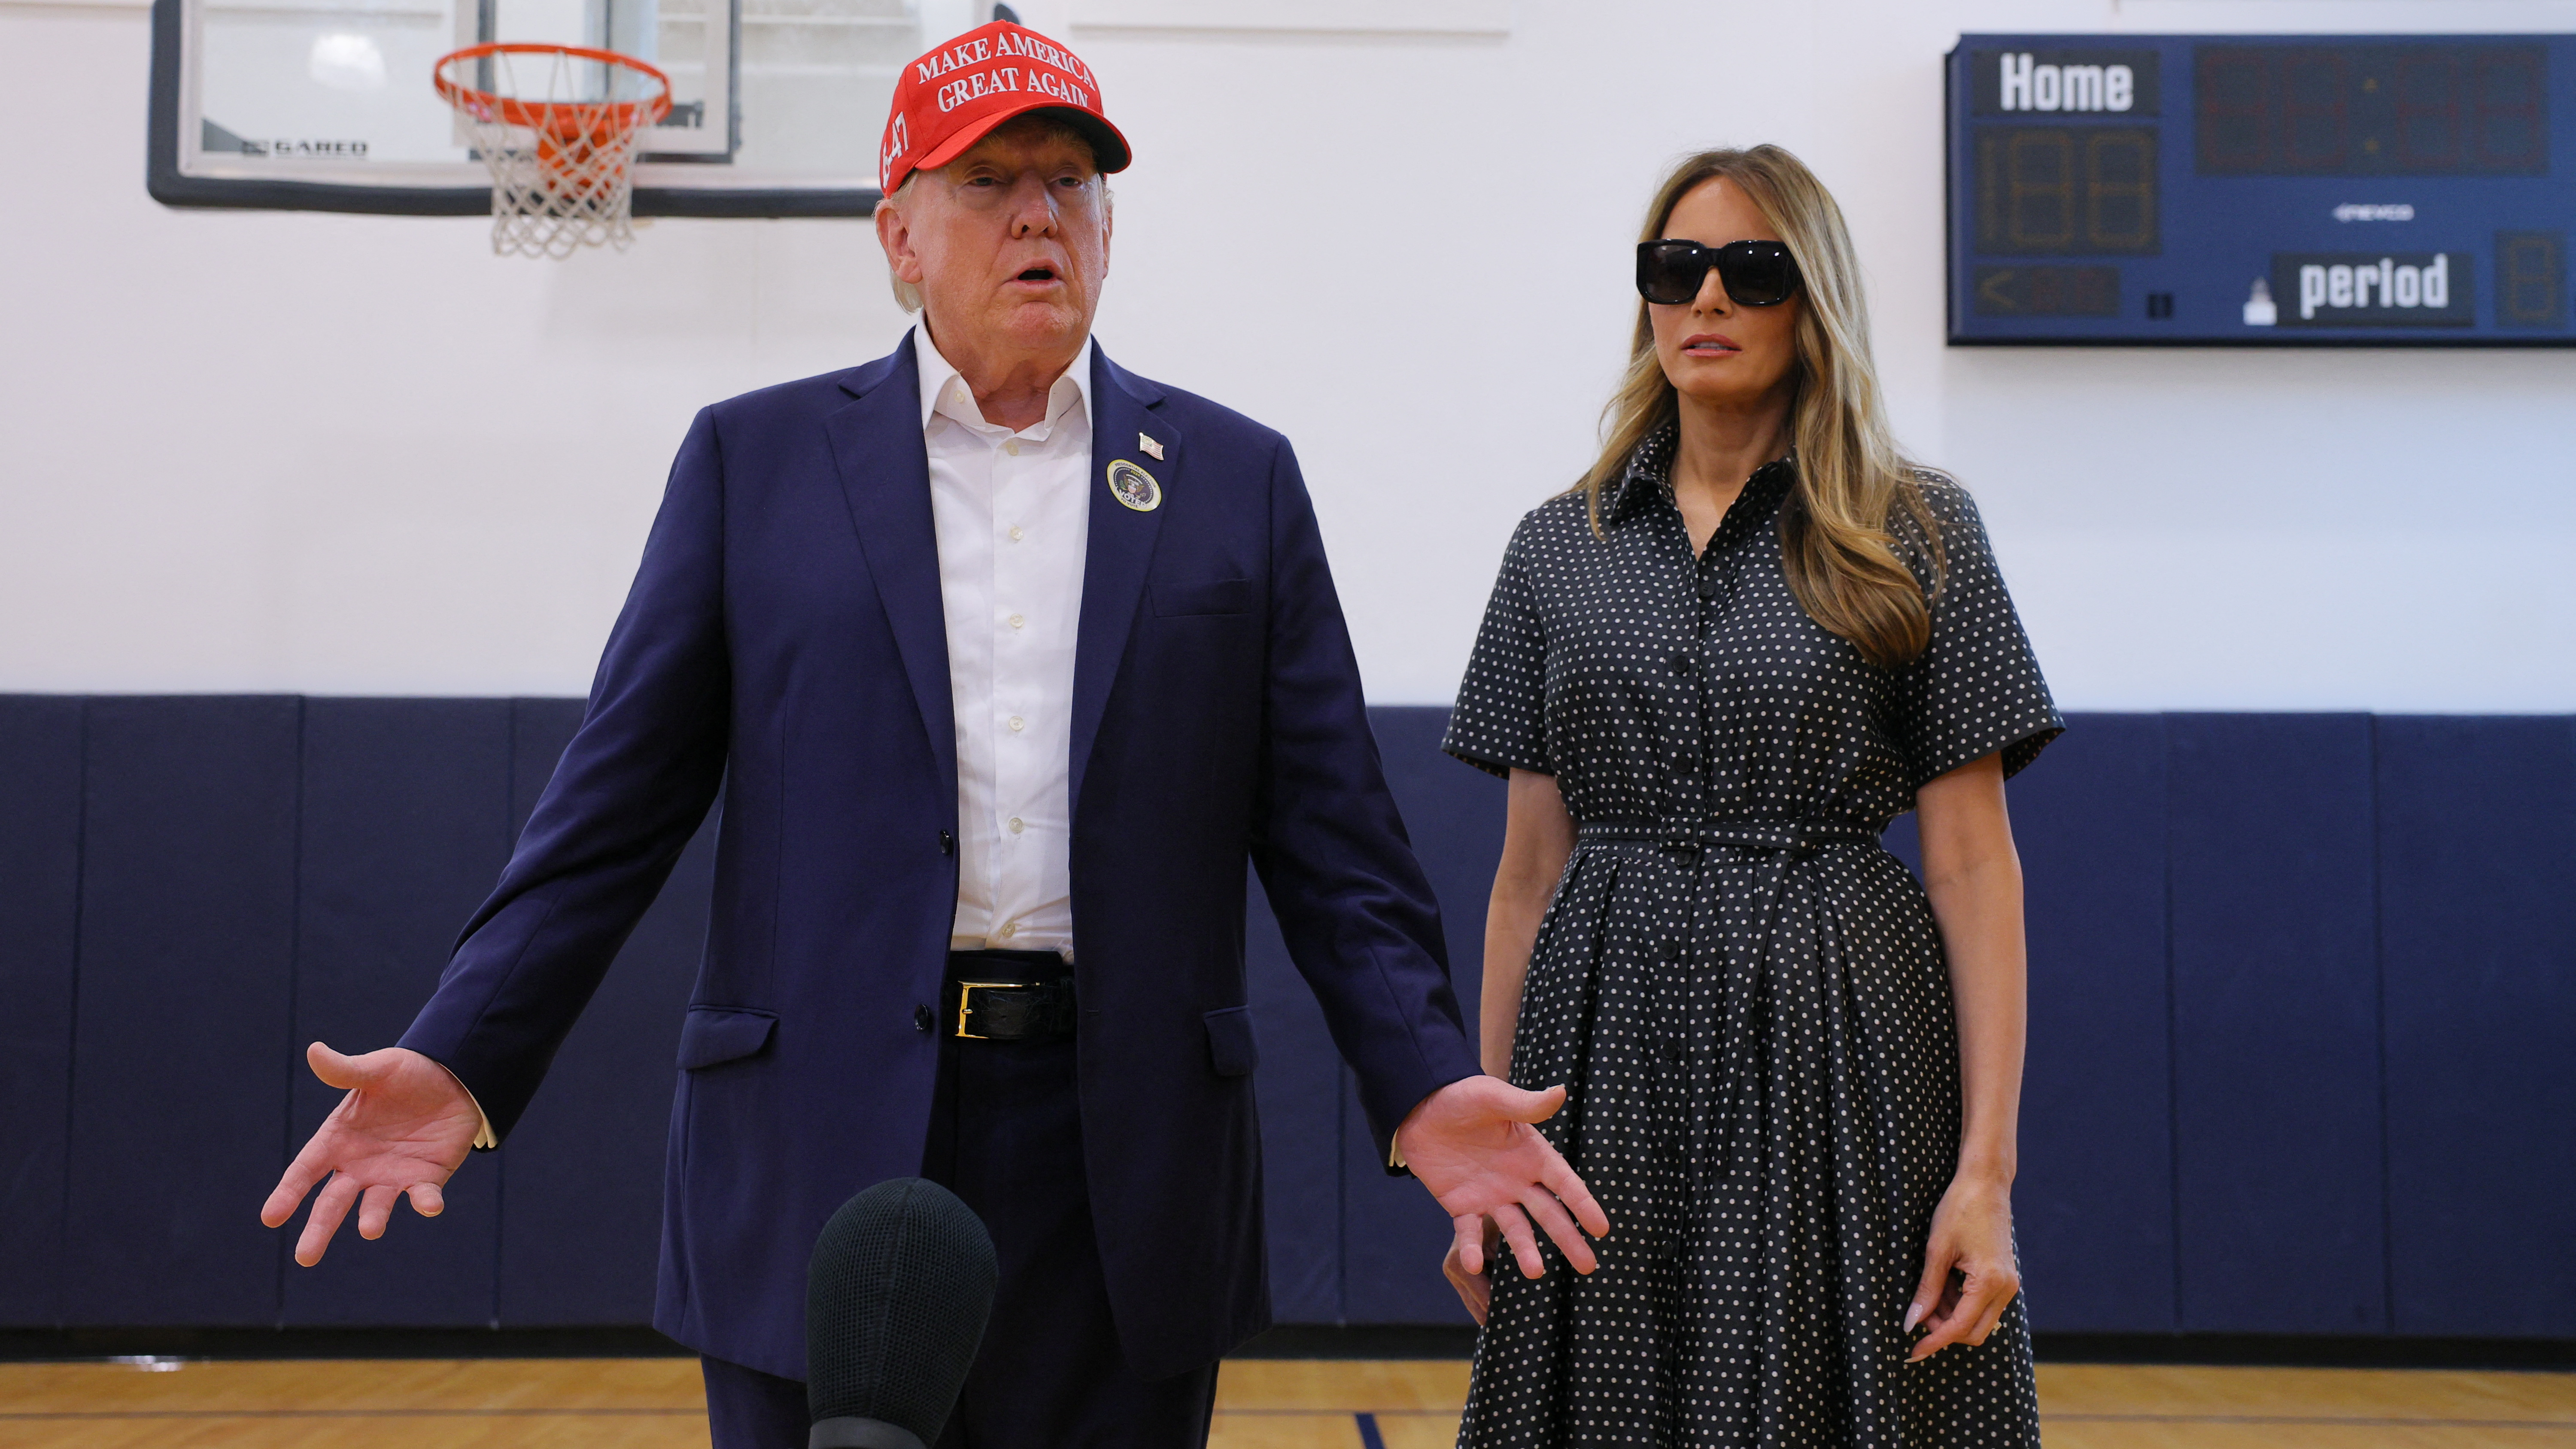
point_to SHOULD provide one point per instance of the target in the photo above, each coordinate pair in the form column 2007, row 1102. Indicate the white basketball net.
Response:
column 558, row 133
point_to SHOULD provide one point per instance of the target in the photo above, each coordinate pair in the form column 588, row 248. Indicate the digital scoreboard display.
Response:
column 2261, row 190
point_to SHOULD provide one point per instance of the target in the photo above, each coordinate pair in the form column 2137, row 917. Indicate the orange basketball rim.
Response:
column 557, row 125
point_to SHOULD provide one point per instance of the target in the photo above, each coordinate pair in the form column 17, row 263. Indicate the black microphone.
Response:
column 895, row 1301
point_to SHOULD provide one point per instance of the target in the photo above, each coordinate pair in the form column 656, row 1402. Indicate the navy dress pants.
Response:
column 1006, row 1136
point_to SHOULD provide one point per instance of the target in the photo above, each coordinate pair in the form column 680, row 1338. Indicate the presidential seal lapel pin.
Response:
column 1152, row 449
column 1134, row 487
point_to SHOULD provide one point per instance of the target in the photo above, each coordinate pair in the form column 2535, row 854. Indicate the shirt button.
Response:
column 1017, row 621
column 1012, row 447
column 1010, row 929
column 1015, row 533
column 1016, row 825
column 1018, row 724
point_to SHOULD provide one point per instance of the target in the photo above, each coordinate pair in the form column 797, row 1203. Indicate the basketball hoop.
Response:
column 557, row 125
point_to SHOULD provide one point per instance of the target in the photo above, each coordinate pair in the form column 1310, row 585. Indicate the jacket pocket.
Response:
column 1208, row 596
column 1231, row 1050
column 714, row 1034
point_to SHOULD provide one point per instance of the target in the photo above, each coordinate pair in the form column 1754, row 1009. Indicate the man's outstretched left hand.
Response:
column 1473, row 1145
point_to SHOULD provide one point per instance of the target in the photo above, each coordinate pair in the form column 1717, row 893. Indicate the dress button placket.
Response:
column 1691, row 754
column 1689, row 786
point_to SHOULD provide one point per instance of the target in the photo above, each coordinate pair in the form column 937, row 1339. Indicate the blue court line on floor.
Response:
column 1369, row 1437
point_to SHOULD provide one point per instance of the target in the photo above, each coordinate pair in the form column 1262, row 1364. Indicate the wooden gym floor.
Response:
column 1261, row 1404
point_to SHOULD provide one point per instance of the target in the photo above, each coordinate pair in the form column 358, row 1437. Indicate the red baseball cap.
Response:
column 947, row 100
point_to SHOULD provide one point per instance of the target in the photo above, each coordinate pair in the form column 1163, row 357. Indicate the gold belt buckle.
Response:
column 966, row 1003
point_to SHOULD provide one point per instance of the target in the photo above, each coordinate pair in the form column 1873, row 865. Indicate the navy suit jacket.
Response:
column 784, row 640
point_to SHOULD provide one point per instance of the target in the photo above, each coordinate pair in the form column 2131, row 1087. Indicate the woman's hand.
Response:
column 1969, row 1276
column 1476, row 1290
column 1973, row 877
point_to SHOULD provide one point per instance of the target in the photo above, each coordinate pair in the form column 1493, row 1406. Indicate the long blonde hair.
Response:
column 1838, row 542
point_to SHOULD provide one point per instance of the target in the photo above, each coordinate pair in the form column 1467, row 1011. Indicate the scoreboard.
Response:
column 2261, row 190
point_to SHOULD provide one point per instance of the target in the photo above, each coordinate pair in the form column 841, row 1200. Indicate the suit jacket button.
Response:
column 922, row 1020
column 947, row 843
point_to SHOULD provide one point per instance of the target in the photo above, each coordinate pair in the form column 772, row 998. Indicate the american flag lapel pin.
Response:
column 1152, row 449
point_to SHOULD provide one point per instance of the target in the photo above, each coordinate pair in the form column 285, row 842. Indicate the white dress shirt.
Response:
column 1012, row 512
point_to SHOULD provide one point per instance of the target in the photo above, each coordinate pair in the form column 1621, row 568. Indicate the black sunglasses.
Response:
column 1755, row 273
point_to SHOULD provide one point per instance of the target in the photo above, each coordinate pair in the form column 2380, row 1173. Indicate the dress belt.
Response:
column 1787, row 842
column 1793, row 837
column 1010, row 996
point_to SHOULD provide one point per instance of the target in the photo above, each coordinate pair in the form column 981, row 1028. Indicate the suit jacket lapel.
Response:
column 885, row 472
column 1122, row 541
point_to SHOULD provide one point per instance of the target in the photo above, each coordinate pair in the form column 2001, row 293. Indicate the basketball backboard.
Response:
column 326, row 105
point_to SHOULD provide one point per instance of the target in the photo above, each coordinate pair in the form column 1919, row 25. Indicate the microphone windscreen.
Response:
column 895, row 1301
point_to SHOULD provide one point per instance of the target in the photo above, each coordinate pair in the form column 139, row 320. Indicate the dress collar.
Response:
column 1649, row 478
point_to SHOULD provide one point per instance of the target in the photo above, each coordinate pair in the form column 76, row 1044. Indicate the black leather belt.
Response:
column 1792, row 837
column 1010, row 996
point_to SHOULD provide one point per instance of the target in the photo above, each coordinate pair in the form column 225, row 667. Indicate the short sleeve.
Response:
column 1977, row 688
column 1499, row 724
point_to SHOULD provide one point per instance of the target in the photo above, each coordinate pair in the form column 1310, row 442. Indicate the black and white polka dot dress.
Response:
column 1743, row 991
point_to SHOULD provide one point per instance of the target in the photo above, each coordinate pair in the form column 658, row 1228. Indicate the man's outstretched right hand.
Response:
column 405, row 1126
column 1473, row 1144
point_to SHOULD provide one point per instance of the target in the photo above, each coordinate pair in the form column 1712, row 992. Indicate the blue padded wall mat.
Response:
column 2093, row 1205
column 2223, row 1132
column 1454, row 814
column 183, row 1049
column 2280, row 1203
column 406, row 822
column 581, row 1201
column 40, row 812
column 1298, row 1084
column 1394, row 1237
column 2477, row 897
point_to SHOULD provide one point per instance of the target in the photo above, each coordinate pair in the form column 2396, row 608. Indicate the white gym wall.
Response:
column 344, row 454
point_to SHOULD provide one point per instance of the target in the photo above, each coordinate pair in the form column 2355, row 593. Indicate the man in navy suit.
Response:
column 1006, row 659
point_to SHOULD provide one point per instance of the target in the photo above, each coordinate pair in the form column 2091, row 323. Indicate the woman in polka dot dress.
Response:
column 1713, row 673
